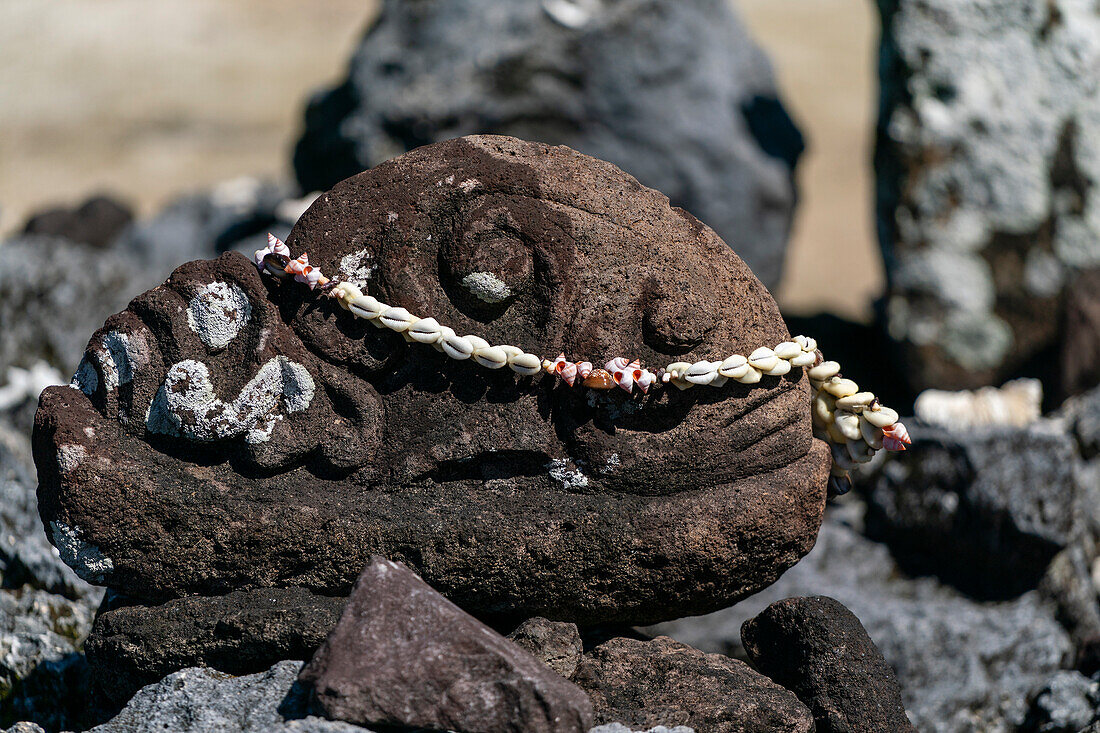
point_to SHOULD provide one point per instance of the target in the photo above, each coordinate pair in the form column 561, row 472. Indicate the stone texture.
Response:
column 620, row 728
column 96, row 222
column 314, row 440
column 1080, row 357
column 985, row 508
column 664, row 682
column 1068, row 583
column 986, row 162
column 243, row 632
column 403, row 655
column 677, row 94
column 1067, row 703
column 818, row 649
column 963, row 665
column 557, row 644
column 198, row 700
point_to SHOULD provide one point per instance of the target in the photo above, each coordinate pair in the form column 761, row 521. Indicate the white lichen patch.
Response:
column 487, row 287
column 188, row 405
column 85, row 379
column 115, row 360
column 565, row 473
column 358, row 267
column 469, row 185
column 69, row 457
column 218, row 312
column 86, row 560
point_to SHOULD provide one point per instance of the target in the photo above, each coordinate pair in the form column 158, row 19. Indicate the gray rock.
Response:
column 25, row 727
column 620, row 728
column 96, row 222
column 986, row 169
column 677, row 94
column 962, row 665
column 1066, row 703
column 43, row 677
column 557, row 644
column 1068, row 583
column 198, row 700
column 985, row 508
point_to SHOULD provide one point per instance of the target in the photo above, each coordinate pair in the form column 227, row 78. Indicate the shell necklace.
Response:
column 854, row 423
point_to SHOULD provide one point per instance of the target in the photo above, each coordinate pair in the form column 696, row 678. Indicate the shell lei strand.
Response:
column 853, row 423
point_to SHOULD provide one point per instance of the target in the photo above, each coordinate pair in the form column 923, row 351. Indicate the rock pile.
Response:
column 677, row 94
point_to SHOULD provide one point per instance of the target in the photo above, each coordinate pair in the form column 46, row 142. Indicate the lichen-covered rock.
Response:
column 243, row 632
column 1066, row 703
column 557, row 644
column 817, row 648
column 311, row 440
column 986, row 166
column 677, row 94
column 200, row 699
column 664, row 682
column 403, row 656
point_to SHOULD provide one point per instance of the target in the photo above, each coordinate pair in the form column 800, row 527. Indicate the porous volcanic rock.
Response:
column 96, row 222
column 819, row 649
column 243, row 632
column 402, row 655
column 677, row 94
column 228, row 431
column 557, row 644
column 987, row 197
column 664, row 682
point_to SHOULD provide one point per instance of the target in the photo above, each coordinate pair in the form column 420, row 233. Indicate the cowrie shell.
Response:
column 367, row 306
column 824, row 370
column 824, row 408
column 525, row 364
column 788, row 350
column 477, row 341
column 763, row 359
column 781, row 367
column 398, row 318
column 882, row 417
column 810, row 345
column 848, row 424
column 510, row 351
column 491, row 357
column 841, row 387
column 444, row 333
column 702, row 372
column 347, row 292
column 872, row 435
column 805, row 359
column 734, row 366
column 859, row 451
column 678, row 369
column 835, row 435
column 457, row 347
column 855, row 402
column 752, row 375
column 425, row 331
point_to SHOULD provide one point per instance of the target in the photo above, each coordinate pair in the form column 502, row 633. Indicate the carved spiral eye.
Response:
column 486, row 270
column 676, row 325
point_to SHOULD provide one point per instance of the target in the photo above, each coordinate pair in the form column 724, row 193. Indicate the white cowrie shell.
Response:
column 859, row 451
column 397, row 319
column 800, row 340
column 788, row 350
column 848, row 424
column 805, row 359
column 781, row 367
column 510, row 351
column 882, row 417
column 478, row 342
column 824, row 408
column 718, row 380
column 367, row 306
column 763, row 359
column 525, row 364
column 425, row 331
column 855, row 402
column 752, row 375
column 835, row 435
column 346, row 293
column 838, row 387
column 824, row 370
column 810, row 345
column 445, row 332
column 702, row 372
column 457, row 347
column 872, row 435
column 734, row 366
column 491, row 357
column 678, row 369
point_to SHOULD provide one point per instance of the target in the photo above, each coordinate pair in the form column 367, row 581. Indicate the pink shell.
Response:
column 298, row 266
column 556, row 364
column 625, row 379
column 584, row 368
column 276, row 245
column 645, row 380
column 895, row 437
column 568, row 372
column 617, row 364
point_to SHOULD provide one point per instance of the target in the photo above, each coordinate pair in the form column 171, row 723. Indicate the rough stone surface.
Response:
column 199, row 699
column 677, row 94
column 985, row 508
column 403, row 655
column 1080, row 357
column 986, row 165
column 96, row 222
column 314, row 440
column 239, row 633
column 557, row 644
column 664, row 682
column 1069, row 584
column 620, row 728
column 962, row 665
column 1067, row 703
column 818, row 649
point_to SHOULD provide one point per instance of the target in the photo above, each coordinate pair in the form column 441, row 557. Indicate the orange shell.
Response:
column 599, row 379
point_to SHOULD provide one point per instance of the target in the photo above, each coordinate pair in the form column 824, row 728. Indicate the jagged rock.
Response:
column 987, row 204
column 43, row 677
column 25, row 727
column 1067, row 703
column 312, row 440
column 664, row 682
column 243, row 632
column 1068, row 583
column 962, row 665
column 620, row 728
column 557, row 644
column 985, row 508
column 677, row 94
column 1080, row 357
column 403, row 655
column 818, row 649
column 96, row 222
column 199, row 699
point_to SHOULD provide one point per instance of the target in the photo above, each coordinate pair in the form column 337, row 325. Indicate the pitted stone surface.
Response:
column 514, row 497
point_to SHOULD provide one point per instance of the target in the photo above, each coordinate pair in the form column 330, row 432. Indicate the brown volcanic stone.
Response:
column 663, row 682
column 818, row 648
column 403, row 655
column 321, row 440
column 557, row 644
column 240, row 633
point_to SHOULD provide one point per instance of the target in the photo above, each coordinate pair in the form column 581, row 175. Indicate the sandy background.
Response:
column 146, row 100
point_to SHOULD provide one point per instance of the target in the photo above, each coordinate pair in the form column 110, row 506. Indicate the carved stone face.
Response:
column 268, row 437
